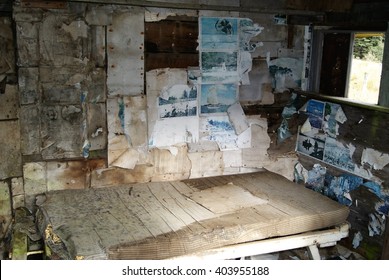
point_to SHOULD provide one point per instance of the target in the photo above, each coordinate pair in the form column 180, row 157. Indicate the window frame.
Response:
column 317, row 40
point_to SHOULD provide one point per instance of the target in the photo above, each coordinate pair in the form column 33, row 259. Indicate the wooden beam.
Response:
column 312, row 240
column 384, row 85
column 385, row 250
column 194, row 6
column 342, row 100
column 59, row 4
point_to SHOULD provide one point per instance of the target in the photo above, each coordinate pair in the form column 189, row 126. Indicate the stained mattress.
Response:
column 160, row 220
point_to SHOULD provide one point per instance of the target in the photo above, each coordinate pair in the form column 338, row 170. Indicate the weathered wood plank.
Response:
column 43, row 4
column 170, row 60
column 168, row 36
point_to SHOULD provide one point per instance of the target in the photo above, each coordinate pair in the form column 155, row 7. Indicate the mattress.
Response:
column 161, row 220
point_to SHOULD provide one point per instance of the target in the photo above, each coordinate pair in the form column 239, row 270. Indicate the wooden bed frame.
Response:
column 219, row 217
column 312, row 240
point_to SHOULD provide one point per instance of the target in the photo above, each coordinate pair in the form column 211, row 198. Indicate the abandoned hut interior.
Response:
column 194, row 129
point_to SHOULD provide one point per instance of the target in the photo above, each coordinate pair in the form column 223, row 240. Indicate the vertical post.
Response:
column 385, row 250
column 307, row 58
column 314, row 252
column 383, row 99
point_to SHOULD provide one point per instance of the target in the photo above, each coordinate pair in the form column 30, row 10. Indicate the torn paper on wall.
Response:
column 300, row 173
column 219, row 129
column 225, row 46
column 194, row 75
column 158, row 14
column 248, row 30
column 259, row 90
column 287, row 113
column 237, row 118
column 377, row 160
column 167, row 89
column 340, row 187
column 316, row 177
column 246, row 64
column 283, row 131
column 127, row 130
column 245, row 139
column 315, row 113
column 376, row 224
column 333, row 115
column 286, row 73
column 324, row 116
column 382, row 207
column 76, row 29
column 357, row 239
column 306, row 127
column 171, row 131
column 260, row 138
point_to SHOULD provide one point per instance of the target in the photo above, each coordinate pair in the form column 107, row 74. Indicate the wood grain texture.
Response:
column 159, row 220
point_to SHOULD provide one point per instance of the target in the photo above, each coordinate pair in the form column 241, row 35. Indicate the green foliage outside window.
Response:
column 369, row 48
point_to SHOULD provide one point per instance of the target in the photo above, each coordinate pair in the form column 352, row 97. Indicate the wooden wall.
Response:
column 92, row 56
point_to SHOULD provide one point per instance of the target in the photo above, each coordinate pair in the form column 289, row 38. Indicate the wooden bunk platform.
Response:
column 191, row 218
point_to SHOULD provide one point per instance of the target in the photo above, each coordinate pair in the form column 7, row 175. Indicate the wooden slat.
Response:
column 43, row 4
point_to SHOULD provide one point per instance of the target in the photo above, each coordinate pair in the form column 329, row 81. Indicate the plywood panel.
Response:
column 9, row 103
column 63, row 42
column 11, row 166
column 125, row 47
column 60, row 131
column 29, row 90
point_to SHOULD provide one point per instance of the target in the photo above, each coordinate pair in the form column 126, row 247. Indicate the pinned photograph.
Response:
column 178, row 101
column 219, row 33
column 221, row 67
column 337, row 154
column 315, row 112
column 311, row 146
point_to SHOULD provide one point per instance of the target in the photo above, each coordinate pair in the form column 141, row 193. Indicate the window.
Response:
column 347, row 64
column 365, row 67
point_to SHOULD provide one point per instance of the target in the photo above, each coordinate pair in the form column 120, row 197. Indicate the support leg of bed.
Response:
column 314, row 252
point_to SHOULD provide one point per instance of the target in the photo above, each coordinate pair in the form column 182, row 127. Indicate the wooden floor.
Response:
column 161, row 220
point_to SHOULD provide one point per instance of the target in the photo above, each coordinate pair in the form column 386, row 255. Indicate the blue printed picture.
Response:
column 178, row 101
column 219, row 33
column 219, row 129
column 219, row 67
column 216, row 98
column 315, row 112
column 337, row 154
column 311, row 146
